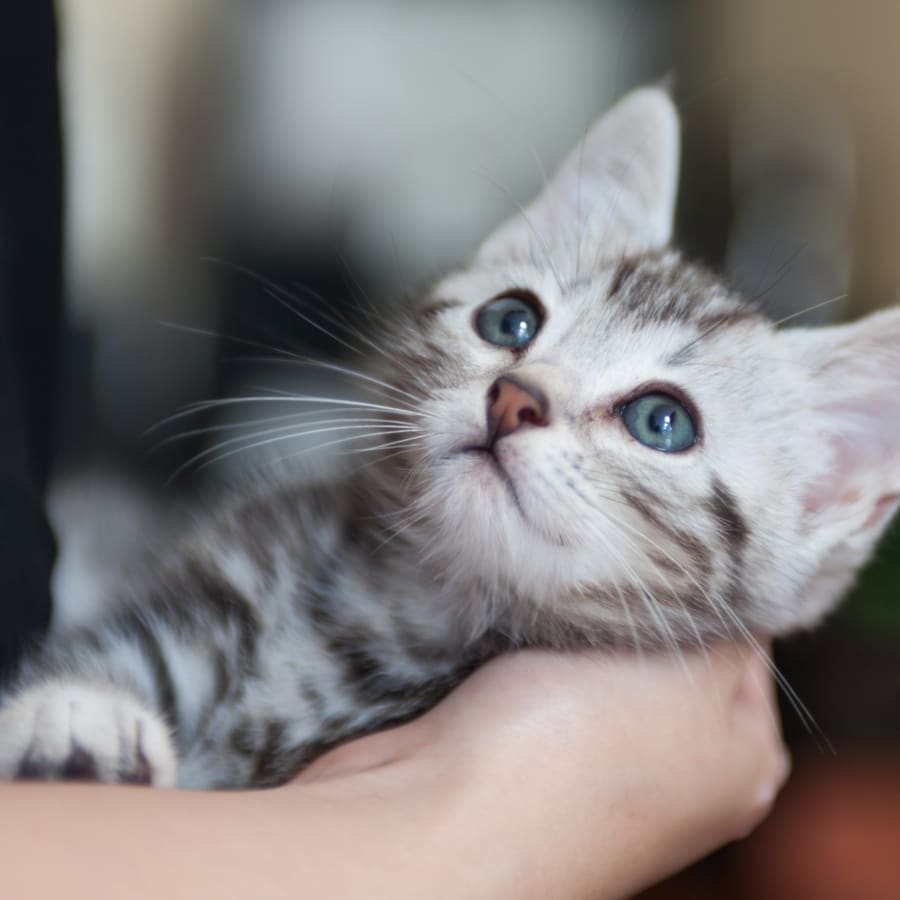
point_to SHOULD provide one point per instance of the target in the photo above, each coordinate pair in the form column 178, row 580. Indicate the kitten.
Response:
column 588, row 442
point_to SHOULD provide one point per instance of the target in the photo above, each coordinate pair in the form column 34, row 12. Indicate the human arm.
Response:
column 542, row 775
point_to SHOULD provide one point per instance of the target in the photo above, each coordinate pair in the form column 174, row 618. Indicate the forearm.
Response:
column 400, row 832
column 541, row 776
column 396, row 833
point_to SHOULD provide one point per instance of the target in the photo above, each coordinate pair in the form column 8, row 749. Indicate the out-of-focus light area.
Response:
column 314, row 142
column 345, row 151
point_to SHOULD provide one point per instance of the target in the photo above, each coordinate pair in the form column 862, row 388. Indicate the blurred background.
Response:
column 348, row 150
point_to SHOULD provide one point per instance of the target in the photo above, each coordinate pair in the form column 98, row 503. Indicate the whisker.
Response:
column 815, row 306
column 245, row 424
column 722, row 609
column 377, row 448
column 274, row 395
column 358, row 291
column 420, row 413
column 803, row 712
column 542, row 244
column 211, row 455
column 297, row 360
column 336, row 319
column 282, row 355
column 287, row 299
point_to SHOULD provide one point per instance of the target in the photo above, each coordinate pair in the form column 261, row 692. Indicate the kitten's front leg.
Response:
column 77, row 730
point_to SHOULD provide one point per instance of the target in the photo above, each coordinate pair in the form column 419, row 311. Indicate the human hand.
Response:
column 589, row 774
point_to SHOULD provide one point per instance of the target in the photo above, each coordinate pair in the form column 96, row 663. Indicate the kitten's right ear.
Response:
column 613, row 195
column 853, row 413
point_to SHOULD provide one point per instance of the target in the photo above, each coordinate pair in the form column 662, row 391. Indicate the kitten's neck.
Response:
column 449, row 605
column 385, row 547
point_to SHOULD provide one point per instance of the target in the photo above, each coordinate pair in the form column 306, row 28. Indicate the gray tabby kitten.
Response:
column 591, row 442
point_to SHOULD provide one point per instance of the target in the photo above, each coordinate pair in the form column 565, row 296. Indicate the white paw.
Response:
column 61, row 730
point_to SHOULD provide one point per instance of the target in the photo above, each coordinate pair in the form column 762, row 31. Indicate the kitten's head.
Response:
column 616, row 444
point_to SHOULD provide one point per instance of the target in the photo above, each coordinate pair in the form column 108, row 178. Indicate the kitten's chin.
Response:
column 477, row 527
column 496, row 493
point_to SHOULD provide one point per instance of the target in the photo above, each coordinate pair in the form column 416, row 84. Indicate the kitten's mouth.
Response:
column 497, row 467
column 488, row 454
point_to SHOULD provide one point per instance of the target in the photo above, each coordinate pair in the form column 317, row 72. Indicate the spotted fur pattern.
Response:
column 295, row 617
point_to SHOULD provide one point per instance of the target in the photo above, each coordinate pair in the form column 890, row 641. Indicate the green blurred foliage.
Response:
column 874, row 605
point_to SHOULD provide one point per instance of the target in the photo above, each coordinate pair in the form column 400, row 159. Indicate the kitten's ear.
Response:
column 614, row 192
column 856, row 415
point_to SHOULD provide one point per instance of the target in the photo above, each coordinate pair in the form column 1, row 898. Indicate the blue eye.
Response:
column 660, row 422
column 509, row 321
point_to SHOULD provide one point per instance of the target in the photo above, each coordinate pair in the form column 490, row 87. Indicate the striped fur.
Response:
column 293, row 617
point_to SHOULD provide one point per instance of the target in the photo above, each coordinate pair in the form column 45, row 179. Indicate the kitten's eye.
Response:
column 660, row 422
column 509, row 321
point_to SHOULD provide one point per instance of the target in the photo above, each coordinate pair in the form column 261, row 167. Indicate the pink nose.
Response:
column 511, row 405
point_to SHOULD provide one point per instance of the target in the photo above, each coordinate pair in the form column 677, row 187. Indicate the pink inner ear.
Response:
column 855, row 407
column 865, row 469
column 884, row 510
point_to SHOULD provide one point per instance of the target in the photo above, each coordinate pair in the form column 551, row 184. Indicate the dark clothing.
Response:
column 30, row 291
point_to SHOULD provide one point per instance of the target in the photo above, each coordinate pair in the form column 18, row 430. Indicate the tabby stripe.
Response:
column 624, row 271
column 230, row 605
column 242, row 739
column 313, row 697
column 223, row 678
column 699, row 553
column 731, row 524
column 270, row 759
column 153, row 653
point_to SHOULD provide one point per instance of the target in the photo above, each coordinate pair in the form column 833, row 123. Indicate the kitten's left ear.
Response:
column 856, row 419
column 615, row 193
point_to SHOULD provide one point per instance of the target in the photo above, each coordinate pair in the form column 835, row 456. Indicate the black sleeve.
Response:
column 30, row 291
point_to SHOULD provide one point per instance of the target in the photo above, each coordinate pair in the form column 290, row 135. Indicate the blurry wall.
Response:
column 140, row 88
column 325, row 143
column 837, row 56
column 288, row 135
column 419, row 125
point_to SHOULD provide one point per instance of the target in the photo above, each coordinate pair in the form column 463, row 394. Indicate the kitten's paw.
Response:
column 83, row 732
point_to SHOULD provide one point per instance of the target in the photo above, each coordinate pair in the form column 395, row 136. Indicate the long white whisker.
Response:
column 294, row 359
column 275, row 395
column 291, row 431
column 210, row 458
column 542, row 244
column 283, row 355
column 808, row 309
column 248, row 426
column 401, row 528
column 723, row 609
column 275, row 294
column 799, row 707
column 647, row 597
column 286, row 299
column 360, row 293
column 403, row 443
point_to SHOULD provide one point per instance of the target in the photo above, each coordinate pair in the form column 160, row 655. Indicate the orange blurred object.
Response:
column 834, row 835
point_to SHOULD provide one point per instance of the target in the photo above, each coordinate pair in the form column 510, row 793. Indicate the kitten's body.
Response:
column 510, row 504
column 268, row 637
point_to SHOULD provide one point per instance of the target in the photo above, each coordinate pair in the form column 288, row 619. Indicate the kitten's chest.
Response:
column 337, row 662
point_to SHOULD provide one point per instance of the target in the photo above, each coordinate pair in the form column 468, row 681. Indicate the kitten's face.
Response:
column 615, row 443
